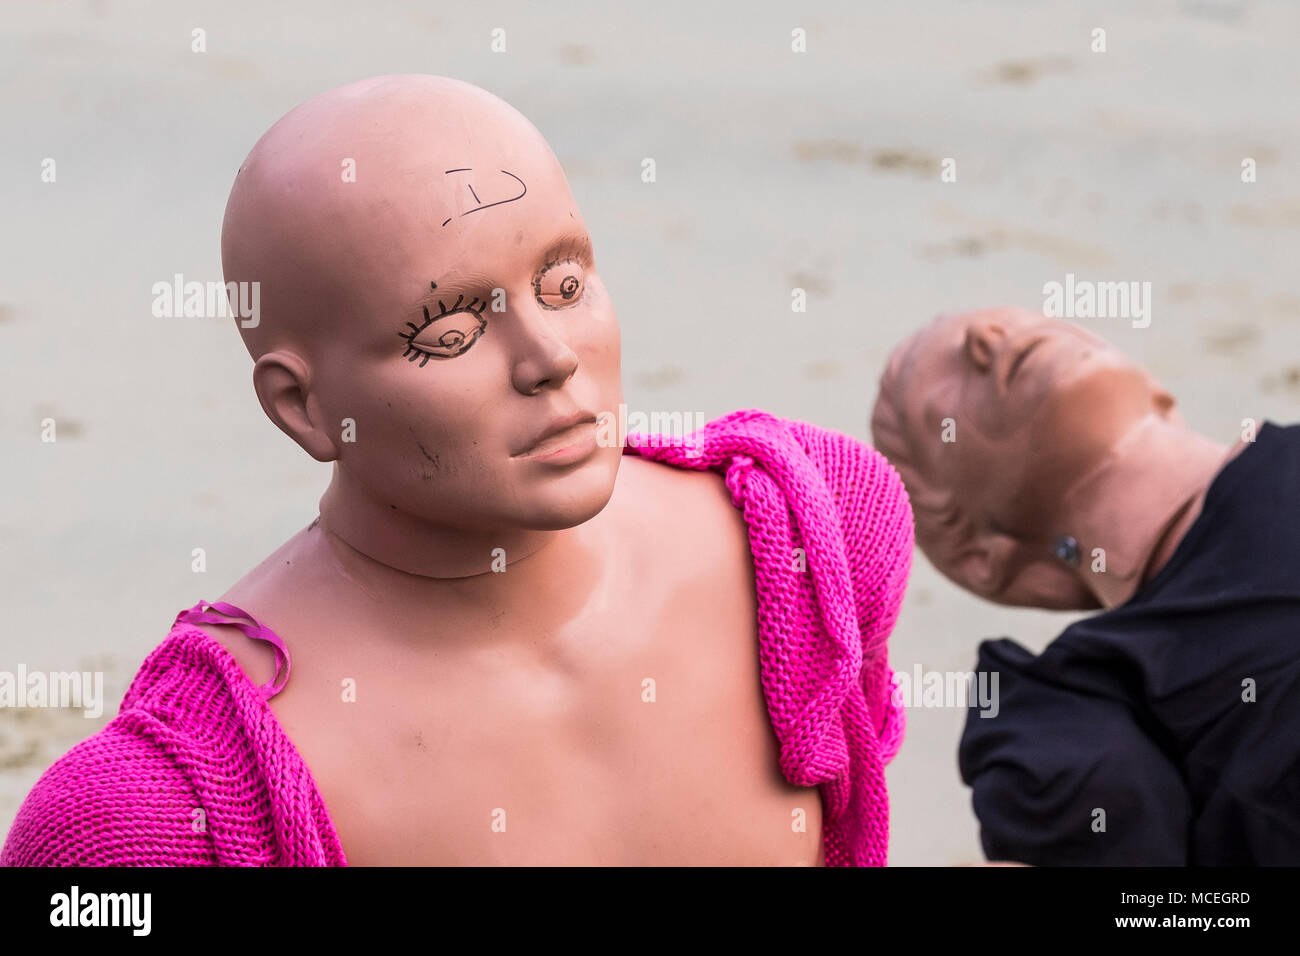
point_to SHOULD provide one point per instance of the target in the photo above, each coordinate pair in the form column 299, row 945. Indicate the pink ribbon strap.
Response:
column 250, row 626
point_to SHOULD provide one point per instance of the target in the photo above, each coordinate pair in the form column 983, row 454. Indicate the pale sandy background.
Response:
column 775, row 170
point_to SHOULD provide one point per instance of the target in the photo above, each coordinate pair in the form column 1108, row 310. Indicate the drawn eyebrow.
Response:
column 440, row 297
column 568, row 243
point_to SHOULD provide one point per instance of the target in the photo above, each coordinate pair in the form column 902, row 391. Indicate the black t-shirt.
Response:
column 1176, row 715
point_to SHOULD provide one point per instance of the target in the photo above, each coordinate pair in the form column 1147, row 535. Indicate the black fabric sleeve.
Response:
column 1065, row 778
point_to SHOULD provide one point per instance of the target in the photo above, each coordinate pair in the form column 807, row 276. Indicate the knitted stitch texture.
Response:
column 196, row 770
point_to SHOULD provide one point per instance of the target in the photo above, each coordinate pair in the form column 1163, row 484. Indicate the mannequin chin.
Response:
column 1024, row 430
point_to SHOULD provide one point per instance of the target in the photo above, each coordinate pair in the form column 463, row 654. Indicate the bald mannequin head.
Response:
column 429, row 308
column 1002, row 424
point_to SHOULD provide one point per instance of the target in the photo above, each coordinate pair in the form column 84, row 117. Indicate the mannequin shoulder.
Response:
column 255, row 658
column 118, row 798
column 261, row 593
column 656, row 486
column 682, row 512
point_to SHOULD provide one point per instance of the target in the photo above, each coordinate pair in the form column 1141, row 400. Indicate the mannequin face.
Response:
column 384, row 288
column 1038, row 403
column 455, row 395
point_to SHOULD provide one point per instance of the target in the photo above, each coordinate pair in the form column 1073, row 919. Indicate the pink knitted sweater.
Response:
column 196, row 770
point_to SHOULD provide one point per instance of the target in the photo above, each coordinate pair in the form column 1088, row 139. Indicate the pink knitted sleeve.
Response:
column 115, row 799
column 876, row 518
column 194, row 771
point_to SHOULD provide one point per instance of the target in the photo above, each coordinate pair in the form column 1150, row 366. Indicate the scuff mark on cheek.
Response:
column 435, row 460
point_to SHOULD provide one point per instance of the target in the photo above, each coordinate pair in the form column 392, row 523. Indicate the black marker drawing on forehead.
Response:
column 458, row 328
column 482, row 205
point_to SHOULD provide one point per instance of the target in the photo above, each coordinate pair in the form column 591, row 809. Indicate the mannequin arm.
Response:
column 1060, row 777
column 85, row 812
column 876, row 518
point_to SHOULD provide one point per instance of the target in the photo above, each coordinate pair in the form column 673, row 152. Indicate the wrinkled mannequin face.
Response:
column 443, row 297
column 1037, row 404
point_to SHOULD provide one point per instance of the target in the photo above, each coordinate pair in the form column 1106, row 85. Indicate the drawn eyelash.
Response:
column 572, row 248
column 455, row 341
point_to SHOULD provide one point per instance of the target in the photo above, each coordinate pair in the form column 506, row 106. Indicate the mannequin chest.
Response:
column 633, row 732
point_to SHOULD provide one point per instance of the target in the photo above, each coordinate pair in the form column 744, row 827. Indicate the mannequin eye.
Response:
column 560, row 284
column 447, row 334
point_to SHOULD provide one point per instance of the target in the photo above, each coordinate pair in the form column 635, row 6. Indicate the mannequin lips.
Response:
column 566, row 439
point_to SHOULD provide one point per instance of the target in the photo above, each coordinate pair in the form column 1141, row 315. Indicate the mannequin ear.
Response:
column 984, row 564
column 283, row 384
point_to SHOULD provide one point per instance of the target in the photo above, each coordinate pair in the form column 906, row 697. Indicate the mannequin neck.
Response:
column 417, row 547
column 1137, row 505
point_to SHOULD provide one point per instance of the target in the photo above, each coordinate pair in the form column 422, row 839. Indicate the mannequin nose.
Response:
column 545, row 360
column 983, row 339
